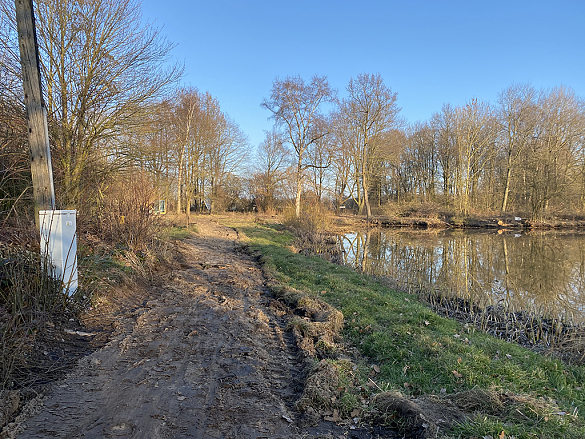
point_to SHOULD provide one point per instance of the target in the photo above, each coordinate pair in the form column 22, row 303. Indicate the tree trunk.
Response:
column 180, row 180
column 365, row 189
column 298, row 198
column 507, row 188
column 188, row 197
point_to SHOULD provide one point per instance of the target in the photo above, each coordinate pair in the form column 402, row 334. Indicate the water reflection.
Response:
column 543, row 272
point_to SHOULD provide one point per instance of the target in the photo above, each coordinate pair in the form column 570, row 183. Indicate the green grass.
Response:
column 179, row 232
column 419, row 352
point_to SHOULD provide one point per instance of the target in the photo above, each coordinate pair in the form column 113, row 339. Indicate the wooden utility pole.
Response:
column 38, row 133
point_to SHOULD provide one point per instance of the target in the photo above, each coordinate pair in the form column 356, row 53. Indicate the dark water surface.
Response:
column 543, row 272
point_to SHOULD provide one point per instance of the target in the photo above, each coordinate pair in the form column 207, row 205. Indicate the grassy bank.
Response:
column 416, row 352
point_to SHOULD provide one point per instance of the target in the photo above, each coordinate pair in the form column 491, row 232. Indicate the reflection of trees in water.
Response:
column 543, row 272
column 547, row 271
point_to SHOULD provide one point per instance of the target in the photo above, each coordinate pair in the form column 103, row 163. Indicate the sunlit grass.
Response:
column 179, row 232
column 419, row 352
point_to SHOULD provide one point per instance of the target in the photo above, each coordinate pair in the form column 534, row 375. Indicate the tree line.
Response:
column 524, row 153
column 102, row 72
column 194, row 151
column 115, row 107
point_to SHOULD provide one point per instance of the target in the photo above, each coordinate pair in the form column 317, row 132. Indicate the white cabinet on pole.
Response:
column 59, row 243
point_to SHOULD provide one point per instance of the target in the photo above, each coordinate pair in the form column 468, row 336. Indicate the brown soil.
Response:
column 202, row 354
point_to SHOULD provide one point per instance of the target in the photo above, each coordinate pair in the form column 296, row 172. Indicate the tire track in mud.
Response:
column 205, row 358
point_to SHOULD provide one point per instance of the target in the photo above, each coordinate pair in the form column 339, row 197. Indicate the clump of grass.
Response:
column 29, row 296
column 316, row 325
column 334, row 389
column 321, row 389
column 28, row 288
column 393, row 408
column 421, row 353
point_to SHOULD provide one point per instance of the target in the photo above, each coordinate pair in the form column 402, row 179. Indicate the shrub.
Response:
column 124, row 215
column 315, row 218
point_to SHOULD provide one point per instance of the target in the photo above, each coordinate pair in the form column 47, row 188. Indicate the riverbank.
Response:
column 506, row 222
column 479, row 385
column 520, row 285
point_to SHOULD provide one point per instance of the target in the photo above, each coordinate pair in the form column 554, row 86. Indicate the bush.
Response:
column 314, row 219
column 124, row 215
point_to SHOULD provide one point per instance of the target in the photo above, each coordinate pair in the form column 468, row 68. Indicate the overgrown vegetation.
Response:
column 121, row 240
column 29, row 297
column 92, row 131
column 420, row 354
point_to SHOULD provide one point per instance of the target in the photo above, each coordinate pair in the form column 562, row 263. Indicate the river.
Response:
column 542, row 272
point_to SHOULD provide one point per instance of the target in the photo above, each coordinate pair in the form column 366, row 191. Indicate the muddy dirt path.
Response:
column 204, row 356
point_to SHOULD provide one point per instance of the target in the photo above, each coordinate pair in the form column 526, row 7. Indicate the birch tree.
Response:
column 474, row 144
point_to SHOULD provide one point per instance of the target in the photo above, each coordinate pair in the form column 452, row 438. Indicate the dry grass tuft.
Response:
column 29, row 296
column 314, row 218
column 321, row 388
column 316, row 326
column 477, row 399
column 494, row 403
column 392, row 408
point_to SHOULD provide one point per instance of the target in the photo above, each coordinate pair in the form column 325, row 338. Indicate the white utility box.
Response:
column 59, row 243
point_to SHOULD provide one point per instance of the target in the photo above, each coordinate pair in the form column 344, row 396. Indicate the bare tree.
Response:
column 320, row 155
column 227, row 150
column 101, row 67
column 516, row 118
column 420, row 156
column 272, row 158
column 474, row 143
column 551, row 162
column 157, row 140
column 344, row 161
column 185, row 113
column 443, row 123
column 15, row 184
column 208, row 147
column 372, row 112
column 295, row 106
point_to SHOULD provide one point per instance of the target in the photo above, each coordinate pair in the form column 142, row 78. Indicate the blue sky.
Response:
column 428, row 52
